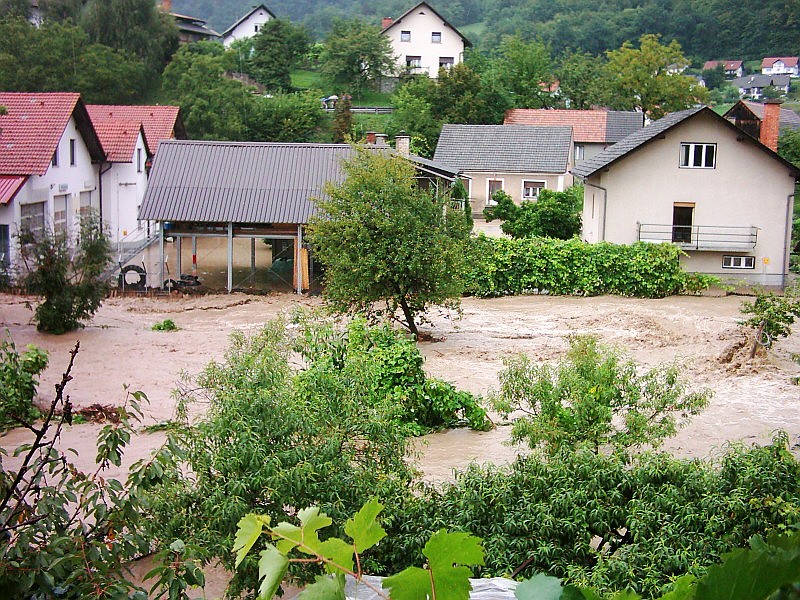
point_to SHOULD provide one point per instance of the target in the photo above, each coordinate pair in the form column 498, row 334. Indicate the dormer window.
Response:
column 436, row 37
column 405, row 36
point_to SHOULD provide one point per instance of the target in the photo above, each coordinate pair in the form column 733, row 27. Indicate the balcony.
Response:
column 701, row 237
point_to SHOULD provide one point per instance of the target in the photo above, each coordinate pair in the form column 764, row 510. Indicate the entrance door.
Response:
column 682, row 215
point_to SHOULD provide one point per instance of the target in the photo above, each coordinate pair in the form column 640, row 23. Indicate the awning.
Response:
column 9, row 186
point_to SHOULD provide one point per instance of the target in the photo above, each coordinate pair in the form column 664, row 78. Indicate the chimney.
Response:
column 371, row 137
column 380, row 140
column 770, row 126
column 386, row 21
column 166, row 6
column 402, row 143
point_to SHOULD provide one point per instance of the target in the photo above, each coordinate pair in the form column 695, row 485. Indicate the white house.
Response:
column 423, row 41
column 780, row 65
column 696, row 180
column 49, row 162
column 753, row 85
column 249, row 25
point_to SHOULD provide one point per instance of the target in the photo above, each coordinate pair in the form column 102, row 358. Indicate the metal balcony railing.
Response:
column 700, row 237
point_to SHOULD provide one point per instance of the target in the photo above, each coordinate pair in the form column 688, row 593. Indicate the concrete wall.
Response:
column 421, row 27
column 247, row 28
column 746, row 188
column 512, row 185
column 123, row 189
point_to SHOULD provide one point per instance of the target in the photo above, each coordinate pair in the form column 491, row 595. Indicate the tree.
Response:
column 15, row 8
column 594, row 398
column 553, row 214
column 284, row 118
column 70, row 282
column 715, row 77
column 524, row 69
column 580, row 77
column 648, row 78
column 459, row 193
column 276, row 49
column 383, row 239
column 343, row 120
column 355, row 56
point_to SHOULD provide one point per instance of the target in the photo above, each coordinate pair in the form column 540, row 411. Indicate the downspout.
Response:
column 100, row 185
column 605, row 205
column 787, row 238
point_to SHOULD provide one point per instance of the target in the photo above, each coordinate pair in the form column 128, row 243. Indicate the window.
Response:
column 60, row 223
column 682, row 214
column 72, row 157
column 436, row 37
column 138, row 160
column 698, row 156
column 413, row 62
column 5, row 246
column 86, row 203
column 492, row 186
column 578, row 152
column 256, row 28
column 445, row 62
column 405, row 36
column 55, row 158
column 32, row 217
column 531, row 189
column 738, row 262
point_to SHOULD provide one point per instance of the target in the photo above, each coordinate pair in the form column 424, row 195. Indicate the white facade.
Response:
column 779, row 67
column 732, row 216
column 54, row 200
column 248, row 26
column 422, row 42
column 124, row 185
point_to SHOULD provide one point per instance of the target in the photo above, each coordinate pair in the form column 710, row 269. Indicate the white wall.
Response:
column 123, row 189
column 512, row 185
column 247, row 28
column 421, row 27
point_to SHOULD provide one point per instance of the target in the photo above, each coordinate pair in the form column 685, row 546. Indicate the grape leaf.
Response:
column 412, row 583
column 304, row 537
column 363, row 527
column 324, row 588
column 539, row 587
column 682, row 589
column 272, row 567
column 339, row 552
column 249, row 530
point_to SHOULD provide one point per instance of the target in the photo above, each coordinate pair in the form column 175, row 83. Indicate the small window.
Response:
column 86, row 203
column 492, row 186
column 445, row 62
column 72, row 157
column 138, row 160
column 60, row 208
column 531, row 189
column 413, row 62
column 55, row 158
column 5, row 246
column 405, row 36
column 738, row 262
column 698, row 156
column 579, row 149
column 256, row 28
column 32, row 217
column 436, row 37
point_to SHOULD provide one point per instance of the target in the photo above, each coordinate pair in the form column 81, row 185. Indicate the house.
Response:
column 780, row 65
column 248, row 25
column 696, row 180
column 202, row 191
column 754, row 85
column 423, row 41
column 50, row 156
column 732, row 68
column 160, row 122
column 521, row 160
column 592, row 130
column 749, row 115
column 190, row 29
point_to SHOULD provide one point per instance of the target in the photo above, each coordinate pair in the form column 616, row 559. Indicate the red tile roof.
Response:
column 727, row 65
column 9, row 186
column 119, row 139
column 789, row 61
column 587, row 125
column 160, row 122
column 31, row 129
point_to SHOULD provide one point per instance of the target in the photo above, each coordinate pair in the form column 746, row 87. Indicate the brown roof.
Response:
column 592, row 126
column 160, row 123
column 727, row 65
column 789, row 61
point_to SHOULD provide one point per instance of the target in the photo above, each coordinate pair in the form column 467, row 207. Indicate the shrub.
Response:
column 19, row 377
column 777, row 311
column 165, row 325
column 552, row 214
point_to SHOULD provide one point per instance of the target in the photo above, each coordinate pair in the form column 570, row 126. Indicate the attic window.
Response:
column 436, row 37
column 698, row 156
column 405, row 36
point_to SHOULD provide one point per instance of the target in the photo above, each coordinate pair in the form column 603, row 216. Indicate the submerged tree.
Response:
column 383, row 239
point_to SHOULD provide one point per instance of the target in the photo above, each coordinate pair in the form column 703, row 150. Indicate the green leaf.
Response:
column 445, row 550
column 338, row 552
column 304, row 537
column 272, row 567
column 324, row 588
column 539, row 587
column 363, row 527
column 412, row 583
column 249, row 530
column 682, row 589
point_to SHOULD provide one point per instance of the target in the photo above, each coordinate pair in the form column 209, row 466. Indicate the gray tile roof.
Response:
column 635, row 140
column 621, row 123
column 221, row 182
column 509, row 148
column 761, row 81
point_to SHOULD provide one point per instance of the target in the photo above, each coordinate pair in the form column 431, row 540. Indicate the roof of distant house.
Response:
column 727, row 65
column 788, row 118
column 761, row 81
column 159, row 122
column 588, row 126
column 789, row 61
column 642, row 137
column 193, row 25
column 34, row 124
column 246, row 16
column 433, row 10
column 119, row 139
column 511, row 148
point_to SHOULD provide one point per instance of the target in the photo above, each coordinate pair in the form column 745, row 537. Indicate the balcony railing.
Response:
column 701, row 237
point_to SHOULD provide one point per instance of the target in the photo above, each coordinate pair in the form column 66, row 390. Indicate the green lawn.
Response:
column 473, row 29
column 306, row 80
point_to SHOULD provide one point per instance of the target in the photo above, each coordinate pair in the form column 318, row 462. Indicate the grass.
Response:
column 306, row 80
column 473, row 29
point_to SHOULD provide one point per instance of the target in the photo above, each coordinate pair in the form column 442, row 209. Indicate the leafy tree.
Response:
column 594, row 398
column 715, row 77
column 459, row 192
column 343, row 120
column 70, row 282
column 276, row 49
column 776, row 311
column 648, row 78
column 285, row 118
column 383, row 239
column 355, row 56
column 19, row 378
column 524, row 69
column 553, row 214
column 15, row 8
column 580, row 77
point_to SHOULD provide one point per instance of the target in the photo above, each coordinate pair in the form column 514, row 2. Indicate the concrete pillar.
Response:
column 230, row 257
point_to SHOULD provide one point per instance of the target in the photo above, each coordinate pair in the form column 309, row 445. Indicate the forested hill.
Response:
column 705, row 28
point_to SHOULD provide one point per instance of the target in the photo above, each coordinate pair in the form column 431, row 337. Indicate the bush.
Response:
column 553, row 215
column 165, row 325
column 505, row 267
column 19, row 377
column 777, row 311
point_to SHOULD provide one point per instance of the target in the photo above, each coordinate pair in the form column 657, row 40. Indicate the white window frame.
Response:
column 738, row 261
column 434, row 35
column 689, row 151
column 489, row 201
column 405, row 36
column 579, row 152
column 541, row 187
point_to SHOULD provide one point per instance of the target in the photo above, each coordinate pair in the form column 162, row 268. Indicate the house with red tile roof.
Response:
column 50, row 157
column 780, row 65
column 160, row 123
column 592, row 130
column 732, row 68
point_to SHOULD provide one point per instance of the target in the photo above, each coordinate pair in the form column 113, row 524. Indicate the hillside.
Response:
column 705, row 28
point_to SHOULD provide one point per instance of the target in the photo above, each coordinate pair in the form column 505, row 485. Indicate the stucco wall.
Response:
column 421, row 27
column 123, row 189
column 512, row 185
column 247, row 28
column 746, row 188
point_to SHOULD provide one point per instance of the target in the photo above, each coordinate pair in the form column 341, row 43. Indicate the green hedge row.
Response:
column 506, row 267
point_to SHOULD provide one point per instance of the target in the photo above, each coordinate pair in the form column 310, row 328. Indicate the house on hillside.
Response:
column 50, row 156
column 248, row 26
column 251, row 195
column 592, row 130
column 753, row 86
column 423, row 41
column 749, row 116
column 780, row 65
column 190, row 29
column 731, row 68
column 696, row 180
column 521, row 160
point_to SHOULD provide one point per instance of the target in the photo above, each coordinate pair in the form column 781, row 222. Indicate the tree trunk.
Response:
column 412, row 327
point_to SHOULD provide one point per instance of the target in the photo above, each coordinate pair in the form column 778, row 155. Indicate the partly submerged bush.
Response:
column 19, row 378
